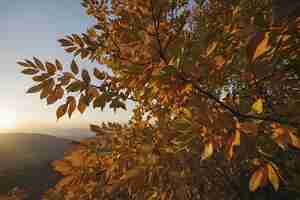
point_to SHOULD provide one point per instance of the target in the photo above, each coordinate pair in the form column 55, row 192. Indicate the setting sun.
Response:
column 7, row 119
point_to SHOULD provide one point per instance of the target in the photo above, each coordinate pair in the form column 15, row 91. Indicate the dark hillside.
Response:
column 25, row 161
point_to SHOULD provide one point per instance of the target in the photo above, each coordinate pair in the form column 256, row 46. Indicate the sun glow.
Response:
column 7, row 120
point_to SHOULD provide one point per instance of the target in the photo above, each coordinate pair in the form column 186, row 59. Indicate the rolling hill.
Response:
column 25, row 161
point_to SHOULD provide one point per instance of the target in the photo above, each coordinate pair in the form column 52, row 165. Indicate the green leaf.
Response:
column 100, row 101
column 74, row 86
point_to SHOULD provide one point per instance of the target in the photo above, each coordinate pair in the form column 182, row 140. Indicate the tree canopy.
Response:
column 215, row 86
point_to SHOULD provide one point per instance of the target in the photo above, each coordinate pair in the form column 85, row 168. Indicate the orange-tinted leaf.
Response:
column 63, row 167
column 257, row 45
column 51, row 99
column 293, row 140
column 72, row 105
column 220, row 60
column 61, row 111
column 256, row 179
column 81, row 105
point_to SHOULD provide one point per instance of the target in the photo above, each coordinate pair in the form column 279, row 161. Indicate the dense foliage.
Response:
column 215, row 85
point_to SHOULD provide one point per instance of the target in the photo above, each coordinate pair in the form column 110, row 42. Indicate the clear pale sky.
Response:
column 31, row 28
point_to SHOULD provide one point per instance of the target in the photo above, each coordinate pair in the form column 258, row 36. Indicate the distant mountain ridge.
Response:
column 25, row 161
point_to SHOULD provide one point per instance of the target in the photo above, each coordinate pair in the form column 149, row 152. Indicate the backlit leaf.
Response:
column 212, row 46
column 257, row 107
column 72, row 105
column 258, row 45
column 61, row 110
column 208, row 151
column 293, row 140
column 256, row 179
column 273, row 177
column 81, row 104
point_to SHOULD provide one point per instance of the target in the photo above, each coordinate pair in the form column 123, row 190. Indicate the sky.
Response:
column 31, row 28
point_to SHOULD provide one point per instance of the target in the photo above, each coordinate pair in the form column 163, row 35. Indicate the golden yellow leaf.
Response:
column 273, row 177
column 208, row 151
column 257, row 107
column 237, row 138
